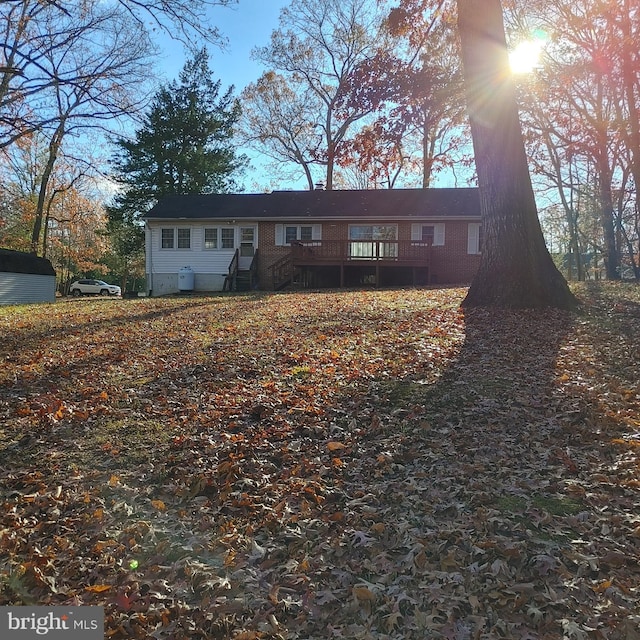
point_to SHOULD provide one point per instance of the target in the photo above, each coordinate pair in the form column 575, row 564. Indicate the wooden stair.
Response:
column 243, row 280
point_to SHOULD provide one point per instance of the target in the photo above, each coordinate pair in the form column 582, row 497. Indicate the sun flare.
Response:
column 526, row 56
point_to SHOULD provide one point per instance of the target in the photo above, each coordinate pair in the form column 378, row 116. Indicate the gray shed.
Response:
column 25, row 278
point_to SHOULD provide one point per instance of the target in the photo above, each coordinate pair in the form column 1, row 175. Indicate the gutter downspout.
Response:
column 149, row 242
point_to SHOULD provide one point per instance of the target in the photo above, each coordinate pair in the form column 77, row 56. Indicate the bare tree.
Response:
column 581, row 102
column 318, row 45
column 35, row 32
column 108, row 66
column 276, row 121
column 185, row 20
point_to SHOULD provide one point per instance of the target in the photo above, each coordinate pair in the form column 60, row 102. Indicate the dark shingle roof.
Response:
column 20, row 262
column 322, row 205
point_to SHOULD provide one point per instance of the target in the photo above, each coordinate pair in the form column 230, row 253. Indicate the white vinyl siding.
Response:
column 203, row 262
column 26, row 288
column 303, row 232
column 474, row 238
column 421, row 231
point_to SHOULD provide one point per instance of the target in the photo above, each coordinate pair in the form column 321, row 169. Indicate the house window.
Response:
column 219, row 238
column 184, row 238
column 428, row 233
column 287, row 234
column 373, row 241
column 167, row 241
column 290, row 234
column 373, row 232
column 294, row 233
column 475, row 238
column 432, row 234
column 211, row 238
column 228, row 240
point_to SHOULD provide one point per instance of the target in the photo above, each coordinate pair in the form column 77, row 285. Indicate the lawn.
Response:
column 353, row 464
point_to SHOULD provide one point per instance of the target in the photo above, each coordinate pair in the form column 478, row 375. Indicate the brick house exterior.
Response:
column 314, row 239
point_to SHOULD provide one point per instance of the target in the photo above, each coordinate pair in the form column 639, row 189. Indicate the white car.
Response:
column 95, row 287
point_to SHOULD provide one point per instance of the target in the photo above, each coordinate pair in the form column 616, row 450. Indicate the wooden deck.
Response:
column 339, row 263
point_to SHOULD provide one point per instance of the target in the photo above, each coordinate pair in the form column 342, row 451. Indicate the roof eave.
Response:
column 299, row 218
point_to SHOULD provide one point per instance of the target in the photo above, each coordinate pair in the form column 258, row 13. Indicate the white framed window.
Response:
column 293, row 233
column 167, row 238
column 184, row 238
column 288, row 233
column 475, row 238
column 247, row 241
column 219, row 238
column 227, row 238
column 172, row 238
column 211, row 235
column 428, row 232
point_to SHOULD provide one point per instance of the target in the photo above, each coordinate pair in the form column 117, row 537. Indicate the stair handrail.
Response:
column 230, row 279
column 253, row 271
column 280, row 271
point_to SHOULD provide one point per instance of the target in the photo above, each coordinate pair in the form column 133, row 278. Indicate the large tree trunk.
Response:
column 516, row 269
column 630, row 81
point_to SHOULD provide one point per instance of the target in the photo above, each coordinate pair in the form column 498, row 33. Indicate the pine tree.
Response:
column 184, row 146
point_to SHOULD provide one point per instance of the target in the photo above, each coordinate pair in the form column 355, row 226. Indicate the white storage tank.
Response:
column 186, row 279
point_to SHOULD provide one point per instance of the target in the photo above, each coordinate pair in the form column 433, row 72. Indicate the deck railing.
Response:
column 309, row 252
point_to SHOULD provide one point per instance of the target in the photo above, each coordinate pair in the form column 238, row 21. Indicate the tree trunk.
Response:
column 611, row 246
column 54, row 148
column 516, row 270
column 427, row 156
column 630, row 81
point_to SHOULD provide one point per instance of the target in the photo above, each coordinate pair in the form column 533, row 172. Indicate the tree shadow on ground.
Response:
column 507, row 481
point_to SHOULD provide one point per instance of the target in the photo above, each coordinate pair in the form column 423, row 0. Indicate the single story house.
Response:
column 25, row 278
column 313, row 239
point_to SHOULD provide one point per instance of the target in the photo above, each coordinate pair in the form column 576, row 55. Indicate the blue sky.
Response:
column 247, row 25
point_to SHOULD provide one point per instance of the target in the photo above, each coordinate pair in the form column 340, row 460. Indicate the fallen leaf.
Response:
column 98, row 588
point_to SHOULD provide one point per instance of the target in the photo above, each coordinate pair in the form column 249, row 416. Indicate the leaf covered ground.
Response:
column 354, row 464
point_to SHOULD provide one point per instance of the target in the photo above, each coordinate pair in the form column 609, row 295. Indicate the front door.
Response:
column 247, row 247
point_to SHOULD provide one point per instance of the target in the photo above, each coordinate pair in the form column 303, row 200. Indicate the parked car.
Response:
column 95, row 287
